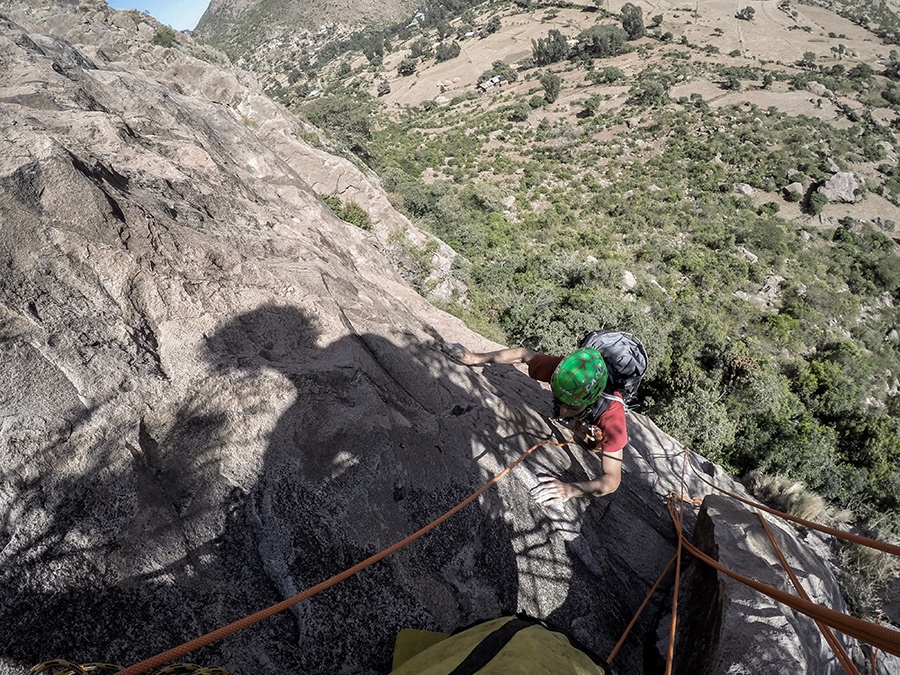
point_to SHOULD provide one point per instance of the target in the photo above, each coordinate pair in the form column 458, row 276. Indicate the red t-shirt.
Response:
column 612, row 420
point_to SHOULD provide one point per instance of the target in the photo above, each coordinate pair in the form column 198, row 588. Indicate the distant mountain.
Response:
column 244, row 23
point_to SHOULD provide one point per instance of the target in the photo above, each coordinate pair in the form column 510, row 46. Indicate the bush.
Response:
column 519, row 112
column 164, row 37
column 349, row 211
column 504, row 70
column 341, row 113
column 649, row 92
column 407, row 67
column 551, row 82
column 816, row 203
column 745, row 14
column 420, row 48
column 605, row 75
column 445, row 52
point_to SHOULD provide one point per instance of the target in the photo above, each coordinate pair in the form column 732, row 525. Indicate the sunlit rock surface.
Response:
column 216, row 394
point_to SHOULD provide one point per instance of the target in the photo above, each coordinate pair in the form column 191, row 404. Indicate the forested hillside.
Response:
column 661, row 175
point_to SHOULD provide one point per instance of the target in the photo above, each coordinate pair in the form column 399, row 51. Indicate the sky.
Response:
column 179, row 14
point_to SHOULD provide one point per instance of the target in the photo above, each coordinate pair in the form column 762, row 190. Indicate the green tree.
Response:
column 602, row 41
column 407, row 67
column 550, row 49
column 605, row 75
column 633, row 21
column 745, row 14
column 447, row 51
column 519, row 112
column 892, row 69
column 493, row 25
column 592, row 105
column 420, row 48
column 816, row 203
column 551, row 82
column 346, row 115
column 861, row 72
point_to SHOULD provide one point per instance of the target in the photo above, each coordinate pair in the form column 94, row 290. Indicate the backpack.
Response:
column 626, row 361
column 498, row 647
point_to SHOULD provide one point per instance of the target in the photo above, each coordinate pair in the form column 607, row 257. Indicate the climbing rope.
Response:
column 846, row 536
column 836, row 647
column 218, row 634
column 880, row 637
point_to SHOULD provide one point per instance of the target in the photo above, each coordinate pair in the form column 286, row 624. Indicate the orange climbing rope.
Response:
column 880, row 637
column 836, row 647
column 846, row 536
column 234, row 627
column 679, row 527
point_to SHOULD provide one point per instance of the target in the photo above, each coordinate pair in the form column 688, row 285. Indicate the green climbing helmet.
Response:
column 580, row 378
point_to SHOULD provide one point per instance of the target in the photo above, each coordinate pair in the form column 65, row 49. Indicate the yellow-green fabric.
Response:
column 411, row 642
column 532, row 651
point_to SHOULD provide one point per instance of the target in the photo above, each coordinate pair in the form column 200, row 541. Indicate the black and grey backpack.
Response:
column 626, row 363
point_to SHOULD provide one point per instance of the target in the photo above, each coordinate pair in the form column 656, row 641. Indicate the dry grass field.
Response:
column 775, row 40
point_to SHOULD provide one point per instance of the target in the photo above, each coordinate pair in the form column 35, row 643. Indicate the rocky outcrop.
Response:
column 841, row 187
column 217, row 394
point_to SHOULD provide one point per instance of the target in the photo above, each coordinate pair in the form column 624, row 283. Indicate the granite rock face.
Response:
column 216, row 394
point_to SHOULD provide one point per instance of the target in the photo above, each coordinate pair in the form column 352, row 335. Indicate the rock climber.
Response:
column 578, row 382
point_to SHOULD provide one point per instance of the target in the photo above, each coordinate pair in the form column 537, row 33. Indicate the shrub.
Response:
column 493, row 25
column 445, row 52
column 420, row 48
column 745, row 14
column 340, row 113
column 504, row 70
column 519, row 112
column 164, row 37
column 605, row 75
column 650, row 91
column 816, row 203
column 407, row 67
column 349, row 211
column 551, row 82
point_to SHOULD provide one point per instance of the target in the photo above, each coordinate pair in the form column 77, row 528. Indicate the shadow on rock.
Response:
column 286, row 463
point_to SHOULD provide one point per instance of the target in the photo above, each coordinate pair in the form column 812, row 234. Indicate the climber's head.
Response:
column 579, row 379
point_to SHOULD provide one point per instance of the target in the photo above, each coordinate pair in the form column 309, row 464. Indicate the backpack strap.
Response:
column 489, row 647
column 592, row 413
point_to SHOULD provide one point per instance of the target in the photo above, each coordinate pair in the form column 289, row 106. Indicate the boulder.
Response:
column 841, row 187
column 747, row 255
column 819, row 89
column 795, row 188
